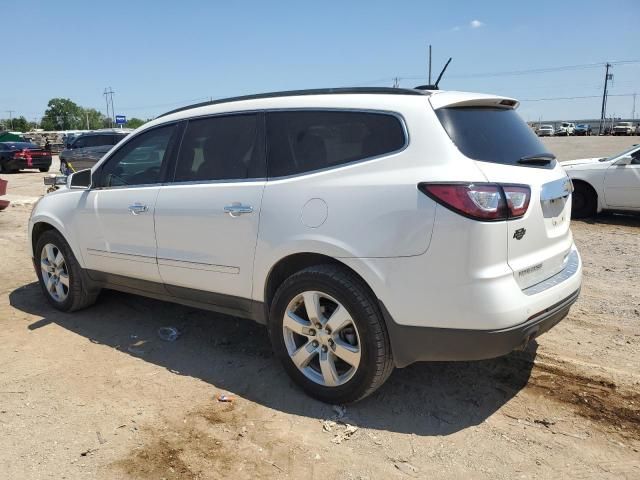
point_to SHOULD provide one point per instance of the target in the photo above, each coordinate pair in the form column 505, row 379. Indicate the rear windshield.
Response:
column 21, row 145
column 496, row 135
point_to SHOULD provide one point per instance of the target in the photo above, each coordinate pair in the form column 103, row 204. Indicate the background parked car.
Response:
column 545, row 131
column 86, row 149
column 611, row 183
column 623, row 128
column 15, row 156
column 583, row 129
column 566, row 129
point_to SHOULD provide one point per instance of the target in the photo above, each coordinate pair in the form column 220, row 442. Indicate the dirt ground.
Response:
column 96, row 394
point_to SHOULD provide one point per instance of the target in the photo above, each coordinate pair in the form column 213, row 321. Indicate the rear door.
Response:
column 207, row 219
column 505, row 150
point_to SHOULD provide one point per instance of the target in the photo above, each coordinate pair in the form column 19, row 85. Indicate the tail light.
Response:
column 20, row 154
column 480, row 201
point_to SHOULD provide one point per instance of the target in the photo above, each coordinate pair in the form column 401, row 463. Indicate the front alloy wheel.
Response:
column 55, row 274
column 321, row 338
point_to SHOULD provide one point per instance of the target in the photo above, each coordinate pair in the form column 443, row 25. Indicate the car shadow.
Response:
column 618, row 219
column 235, row 355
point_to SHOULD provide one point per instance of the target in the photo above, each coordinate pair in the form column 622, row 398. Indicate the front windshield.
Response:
column 622, row 154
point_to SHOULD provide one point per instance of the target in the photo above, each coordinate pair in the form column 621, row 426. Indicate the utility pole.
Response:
column 633, row 112
column 10, row 112
column 108, row 95
column 396, row 82
column 429, row 82
column 604, row 98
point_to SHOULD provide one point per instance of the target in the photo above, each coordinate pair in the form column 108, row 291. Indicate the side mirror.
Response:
column 81, row 180
column 623, row 161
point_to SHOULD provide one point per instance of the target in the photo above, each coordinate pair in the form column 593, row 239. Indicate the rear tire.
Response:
column 361, row 337
column 44, row 170
column 61, row 277
column 584, row 201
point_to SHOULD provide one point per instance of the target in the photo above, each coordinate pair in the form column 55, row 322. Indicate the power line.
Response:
column 108, row 96
column 10, row 112
column 575, row 98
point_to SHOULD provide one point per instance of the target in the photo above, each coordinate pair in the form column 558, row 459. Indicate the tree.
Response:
column 18, row 124
column 135, row 122
column 94, row 118
column 63, row 114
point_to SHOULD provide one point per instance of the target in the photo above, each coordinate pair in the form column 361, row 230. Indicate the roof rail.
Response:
column 298, row 93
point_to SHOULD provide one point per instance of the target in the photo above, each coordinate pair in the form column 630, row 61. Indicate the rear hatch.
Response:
column 507, row 151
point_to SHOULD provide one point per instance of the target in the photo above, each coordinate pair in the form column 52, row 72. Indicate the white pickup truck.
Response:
column 566, row 128
column 623, row 128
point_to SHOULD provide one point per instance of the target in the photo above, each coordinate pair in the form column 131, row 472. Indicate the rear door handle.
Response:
column 237, row 209
column 138, row 208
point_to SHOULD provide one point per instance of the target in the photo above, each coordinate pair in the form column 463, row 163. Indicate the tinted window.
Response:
column 495, row 135
column 310, row 140
column 21, row 145
column 220, row 148
column 138, row 162
column 116, row 138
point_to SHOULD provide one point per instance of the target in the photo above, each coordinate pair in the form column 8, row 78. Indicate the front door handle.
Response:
column 237, row 209
column 138, row 208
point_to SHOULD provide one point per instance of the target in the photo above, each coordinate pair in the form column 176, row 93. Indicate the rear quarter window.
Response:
column 304, row 141
column 496, row 135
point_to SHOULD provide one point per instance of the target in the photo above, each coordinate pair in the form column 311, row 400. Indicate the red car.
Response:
column 15, row 156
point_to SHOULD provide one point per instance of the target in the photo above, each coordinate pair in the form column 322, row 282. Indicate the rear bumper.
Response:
column 21, row 164
column 414, row 344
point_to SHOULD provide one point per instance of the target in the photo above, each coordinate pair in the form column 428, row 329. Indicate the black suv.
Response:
column 86, row 149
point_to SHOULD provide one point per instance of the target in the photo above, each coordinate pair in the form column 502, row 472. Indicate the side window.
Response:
column 138, row 161
column 221, row 148
column 79, row 143
column 303, row 141
column 116, row 138
column 97, row 140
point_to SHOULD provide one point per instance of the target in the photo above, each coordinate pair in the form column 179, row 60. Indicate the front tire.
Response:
column 44, row 170
column 327, row 330
column 60, row 275
column 584, row 201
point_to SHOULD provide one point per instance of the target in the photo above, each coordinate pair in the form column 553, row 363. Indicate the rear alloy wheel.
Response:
column 321, row 338
column 584, row 201
column 327, row 329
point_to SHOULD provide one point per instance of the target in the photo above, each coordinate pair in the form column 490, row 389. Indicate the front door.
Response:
column 622, row 183
column 116, row 226
column 207, row 219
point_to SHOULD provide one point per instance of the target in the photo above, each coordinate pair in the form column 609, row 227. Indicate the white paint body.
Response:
column 429, row 266
column 617, row 185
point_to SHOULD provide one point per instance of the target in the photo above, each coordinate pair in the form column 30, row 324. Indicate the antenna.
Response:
column 435, row 85
column 442, row 72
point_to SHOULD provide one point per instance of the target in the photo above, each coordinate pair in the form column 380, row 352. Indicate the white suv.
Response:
column 367, row 228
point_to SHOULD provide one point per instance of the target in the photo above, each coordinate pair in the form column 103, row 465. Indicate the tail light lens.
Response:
column 480, row 201
column 20, row 154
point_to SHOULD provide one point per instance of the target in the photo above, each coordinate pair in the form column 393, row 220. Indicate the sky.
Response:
column 159, row 55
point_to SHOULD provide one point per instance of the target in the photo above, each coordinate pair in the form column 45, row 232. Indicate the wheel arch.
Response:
column 591, row 188
column 290, row 264
column 39, row 225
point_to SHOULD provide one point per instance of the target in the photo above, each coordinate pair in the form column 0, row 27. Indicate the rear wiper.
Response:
column 538, row 158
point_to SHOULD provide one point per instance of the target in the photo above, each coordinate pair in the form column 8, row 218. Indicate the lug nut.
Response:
column 312, row 332
column 324, row 348
column 314, row 343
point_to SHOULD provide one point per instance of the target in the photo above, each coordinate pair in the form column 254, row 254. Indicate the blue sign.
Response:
column 121, row 119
